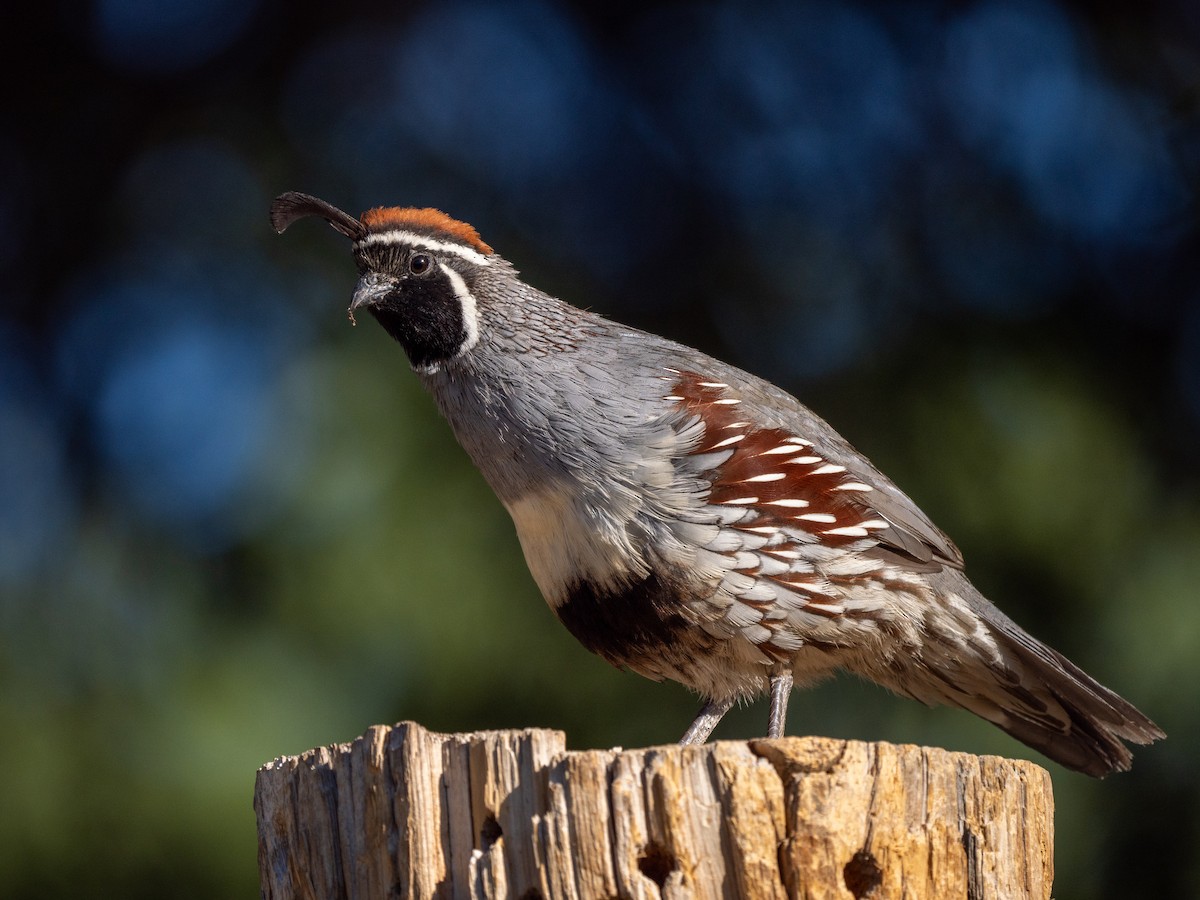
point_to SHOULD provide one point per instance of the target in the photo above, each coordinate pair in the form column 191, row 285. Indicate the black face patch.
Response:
column 426, row 316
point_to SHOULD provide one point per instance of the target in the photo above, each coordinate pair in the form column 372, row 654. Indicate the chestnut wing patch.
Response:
column 782, row 481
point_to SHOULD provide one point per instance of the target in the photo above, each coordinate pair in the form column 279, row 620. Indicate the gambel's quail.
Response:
column 687, row 520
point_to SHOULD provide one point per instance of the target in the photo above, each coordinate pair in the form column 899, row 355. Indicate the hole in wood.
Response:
column 862, row 874
column 489, row 832
column 656, row 863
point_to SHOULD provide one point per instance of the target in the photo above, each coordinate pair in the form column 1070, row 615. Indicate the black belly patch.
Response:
column 633, row 626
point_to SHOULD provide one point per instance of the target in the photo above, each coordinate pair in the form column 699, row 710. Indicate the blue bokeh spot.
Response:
column 37, row 497
column 177, row 389
column 165, row 36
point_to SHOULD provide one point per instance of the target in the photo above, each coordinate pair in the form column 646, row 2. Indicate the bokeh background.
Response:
column 232, row 527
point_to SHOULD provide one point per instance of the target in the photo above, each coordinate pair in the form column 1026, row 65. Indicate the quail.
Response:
column 687, row 520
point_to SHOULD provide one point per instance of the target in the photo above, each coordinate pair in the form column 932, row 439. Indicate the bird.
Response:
column 689, row 521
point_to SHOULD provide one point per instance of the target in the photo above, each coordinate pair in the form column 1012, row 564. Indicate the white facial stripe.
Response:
column 410, row 237
column 470, row 314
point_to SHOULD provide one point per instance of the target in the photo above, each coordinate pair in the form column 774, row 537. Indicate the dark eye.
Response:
column 419, row 264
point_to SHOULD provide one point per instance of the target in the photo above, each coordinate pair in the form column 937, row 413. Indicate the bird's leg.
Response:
column 781, row 691
column 706, row 721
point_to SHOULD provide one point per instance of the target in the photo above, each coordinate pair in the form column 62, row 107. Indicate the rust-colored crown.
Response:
column 424, row 221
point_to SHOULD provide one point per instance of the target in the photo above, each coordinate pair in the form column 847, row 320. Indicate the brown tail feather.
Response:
column 1088, row 734
column 1019, row 684
column 1049, row 703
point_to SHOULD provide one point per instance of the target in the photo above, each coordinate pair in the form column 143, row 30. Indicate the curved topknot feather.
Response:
column 293, row 205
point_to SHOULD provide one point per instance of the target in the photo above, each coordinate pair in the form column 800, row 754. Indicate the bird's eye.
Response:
column 419, row 264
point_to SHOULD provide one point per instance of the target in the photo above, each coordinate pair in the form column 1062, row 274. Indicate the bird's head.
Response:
column 418, row 270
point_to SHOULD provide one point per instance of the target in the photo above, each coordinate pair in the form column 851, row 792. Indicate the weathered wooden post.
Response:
column 405, row 813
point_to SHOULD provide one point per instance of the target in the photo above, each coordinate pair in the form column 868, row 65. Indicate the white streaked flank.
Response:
column 823, row 518
column 712, row 384
column 421, row 240
column 828, row 469
column 727, row 401
column 741, row 501
column 730, row 440
column 848, row 531
column 770, row 476
column 852, row 486
column 789, row 502
column 804, row 460
column 819, row 587
column 782, row 448
column 826, row 608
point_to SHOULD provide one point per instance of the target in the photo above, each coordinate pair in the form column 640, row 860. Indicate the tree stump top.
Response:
column 405, row 812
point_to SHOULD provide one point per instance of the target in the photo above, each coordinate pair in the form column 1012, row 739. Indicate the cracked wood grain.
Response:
column 402, row 812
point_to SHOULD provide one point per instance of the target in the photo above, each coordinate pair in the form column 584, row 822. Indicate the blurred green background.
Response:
column 232, row 527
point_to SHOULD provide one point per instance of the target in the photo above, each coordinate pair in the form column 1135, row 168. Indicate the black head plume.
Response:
column 293, row 205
